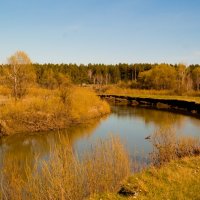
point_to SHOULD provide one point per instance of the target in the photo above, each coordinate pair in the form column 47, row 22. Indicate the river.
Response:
column 131, row 124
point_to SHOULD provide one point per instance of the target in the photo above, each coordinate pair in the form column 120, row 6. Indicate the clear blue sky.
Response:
column 101, row 31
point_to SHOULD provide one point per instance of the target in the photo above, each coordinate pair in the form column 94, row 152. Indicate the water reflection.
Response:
column 150, row 116
column 26, row 147
column 132, row 124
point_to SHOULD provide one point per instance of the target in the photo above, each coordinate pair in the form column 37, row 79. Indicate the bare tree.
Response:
column 20, row 74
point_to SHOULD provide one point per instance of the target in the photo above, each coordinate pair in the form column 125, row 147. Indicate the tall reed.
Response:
column 65, row 176
column 167, row 146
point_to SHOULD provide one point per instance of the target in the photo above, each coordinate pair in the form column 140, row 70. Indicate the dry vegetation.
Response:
column 102, row 171
column 86, row 105
column 44, row 109
column 177, row 180
column 157, row 94
column 65, row 176
column 53, row 102
column 174, row 172
column 117, row 89
column 31, row 101
column 167, row 146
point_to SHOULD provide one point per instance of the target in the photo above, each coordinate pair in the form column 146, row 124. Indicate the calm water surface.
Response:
column 132, row 124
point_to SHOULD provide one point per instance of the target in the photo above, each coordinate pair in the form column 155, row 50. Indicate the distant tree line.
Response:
column 91, row 73
column 141, row 75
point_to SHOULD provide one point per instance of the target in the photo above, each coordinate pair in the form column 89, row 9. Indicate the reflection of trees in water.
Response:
column 158, row 118
column 25, row 148
column 79, row 131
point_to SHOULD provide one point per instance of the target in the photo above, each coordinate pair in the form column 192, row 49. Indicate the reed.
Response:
column 167, row 146
column 64, row 176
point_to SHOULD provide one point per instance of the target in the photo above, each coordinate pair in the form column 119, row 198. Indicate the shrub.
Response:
column 86, row 104
column 34, row 114
column 46, row 109
column 168, row 146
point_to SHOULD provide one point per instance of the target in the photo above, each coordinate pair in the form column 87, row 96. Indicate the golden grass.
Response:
column 5, row 91
column 102, row 170
column 45, row 109
column 41, row 92
column 86, row 105
column 34, row 114
column 128, row 91
column 64, row 176
column 178, row 180
column 167, row 146
column 157, row 94
column 174, row 172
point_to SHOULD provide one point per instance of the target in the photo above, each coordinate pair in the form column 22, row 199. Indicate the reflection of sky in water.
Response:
column 134, row 124
column 131, row 131
column 130, row 123
column 191, row 127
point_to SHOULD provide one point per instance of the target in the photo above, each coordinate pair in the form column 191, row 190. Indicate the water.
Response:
column 132, row 124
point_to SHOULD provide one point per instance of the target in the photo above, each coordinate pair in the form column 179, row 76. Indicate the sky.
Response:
column 101, row 31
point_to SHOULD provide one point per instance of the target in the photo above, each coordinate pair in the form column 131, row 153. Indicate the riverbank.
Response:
column 44, row 109
column 178, row 179
column 192, row 96
column 170, row 103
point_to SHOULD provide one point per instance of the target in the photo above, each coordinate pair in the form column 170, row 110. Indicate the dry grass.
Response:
column 87, row 105
column 45, row 109
column 41, row 92
column 168, row 146
column 114, row 157
column 177, row 180
column 5, row 91
column 34, row 114
column 157, row 94
column 101, row 170
column 174, row 173
column 64, row 176
column 128, row 91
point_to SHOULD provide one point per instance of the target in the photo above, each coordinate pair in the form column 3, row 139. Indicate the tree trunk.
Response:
column 15, row 81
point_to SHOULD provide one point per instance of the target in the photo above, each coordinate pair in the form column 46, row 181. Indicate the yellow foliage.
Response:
column 41, row 92
column 128, row 91
column 5, row 91
column 44, row 109
column 86, row 105
column 157, row 94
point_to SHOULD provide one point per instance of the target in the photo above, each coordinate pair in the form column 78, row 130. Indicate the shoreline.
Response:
column 39, row 112
column 191, row 108
column 155, row 183
column 67, row 125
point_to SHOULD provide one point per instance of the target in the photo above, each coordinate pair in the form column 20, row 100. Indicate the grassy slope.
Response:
column 157, row 94
column 169, row 97
column 177, row 180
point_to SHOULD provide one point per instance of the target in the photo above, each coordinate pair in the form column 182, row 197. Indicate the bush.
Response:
column 86, row 104
column 168, row 146
column 44, row 110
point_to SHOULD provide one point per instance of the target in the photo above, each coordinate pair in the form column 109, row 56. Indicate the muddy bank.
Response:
column 181, row 106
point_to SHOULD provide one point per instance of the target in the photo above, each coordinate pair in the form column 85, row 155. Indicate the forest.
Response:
column 136, row 76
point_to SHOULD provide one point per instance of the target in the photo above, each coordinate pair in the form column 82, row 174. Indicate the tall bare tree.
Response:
column 20, row 74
